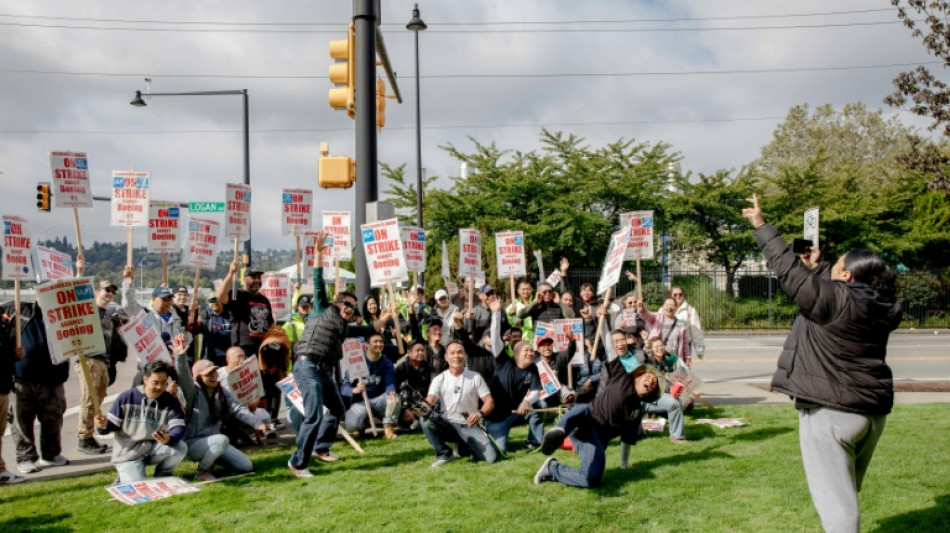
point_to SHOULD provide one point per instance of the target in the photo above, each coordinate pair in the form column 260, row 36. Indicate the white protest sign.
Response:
column 296, row 211
column 129, row 198
column 446, row 272
column 509, row 248
column 628, row 318
column 143, row 336
column 237, row 211
column 414, row 248
column 53, row 265
column 201, row 243
column 549, row 382
column 562, row 340
column 70, row 179
column 289, row 387
column 383, row 247
column 470, row 253
column 17, row 249
column 72, row 318
column 614, row 261
column 310, row 250
column 164, row 228
column 337, row 223
column 542, row 330
column 245, row 382
column 811, row 226
column 555, row 278
column 150, row 490
column 353, row 365
column 275, row 286
column 641, row 234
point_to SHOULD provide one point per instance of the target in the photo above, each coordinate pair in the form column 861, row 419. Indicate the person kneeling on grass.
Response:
column 616, row 411
column 380, row 388
column 207, row 404
column 149, row 426
column 666, row 404
column 458, row 391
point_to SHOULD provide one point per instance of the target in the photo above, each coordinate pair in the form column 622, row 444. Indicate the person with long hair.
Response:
column 833, row 364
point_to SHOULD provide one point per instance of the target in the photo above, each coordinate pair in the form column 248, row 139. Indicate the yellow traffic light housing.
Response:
column 43, row 196
column 343, row 72
column 335, row 172
column 380, row 103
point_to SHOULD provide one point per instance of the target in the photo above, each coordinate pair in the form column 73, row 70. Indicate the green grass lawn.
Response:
column 744, row 479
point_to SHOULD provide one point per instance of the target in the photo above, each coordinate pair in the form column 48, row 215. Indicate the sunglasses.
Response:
column 109, row 290
column 349, row 306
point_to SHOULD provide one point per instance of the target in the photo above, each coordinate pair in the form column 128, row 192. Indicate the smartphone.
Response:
column 801, row 246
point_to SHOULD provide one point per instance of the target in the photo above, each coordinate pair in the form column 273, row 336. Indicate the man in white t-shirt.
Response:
column 459, row 419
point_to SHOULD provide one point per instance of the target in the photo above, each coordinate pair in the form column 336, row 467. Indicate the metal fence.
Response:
column 756, row 300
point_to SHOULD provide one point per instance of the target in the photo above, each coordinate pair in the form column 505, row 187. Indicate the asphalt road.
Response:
column 752, row 358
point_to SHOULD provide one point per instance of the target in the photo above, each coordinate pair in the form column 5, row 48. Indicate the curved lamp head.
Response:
column 416, row 24
column 137, row 101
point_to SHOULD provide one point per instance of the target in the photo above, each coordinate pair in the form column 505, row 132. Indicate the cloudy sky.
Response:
column 712, row 79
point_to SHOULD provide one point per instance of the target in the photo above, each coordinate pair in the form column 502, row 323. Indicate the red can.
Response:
column 676, row 389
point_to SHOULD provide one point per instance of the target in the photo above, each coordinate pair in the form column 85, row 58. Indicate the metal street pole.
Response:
column 416, row 25
column 365, row 20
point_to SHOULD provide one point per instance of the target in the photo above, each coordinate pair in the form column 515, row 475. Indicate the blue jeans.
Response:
column 439, row 430
column 208, row 450
column 671, row 407
column 382, row 406
column 315, row 430
column 580, row 427
column 500, row 430
column 167, row 458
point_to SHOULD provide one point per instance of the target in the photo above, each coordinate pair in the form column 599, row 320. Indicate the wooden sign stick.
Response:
column 600, row 324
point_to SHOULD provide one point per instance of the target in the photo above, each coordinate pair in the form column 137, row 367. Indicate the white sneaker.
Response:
column 440, row 462
column 9, row 478
column 59, row 460
column 303, row 472
column 27, row 467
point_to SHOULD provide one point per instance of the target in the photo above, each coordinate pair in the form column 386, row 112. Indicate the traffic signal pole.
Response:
column 365, row 19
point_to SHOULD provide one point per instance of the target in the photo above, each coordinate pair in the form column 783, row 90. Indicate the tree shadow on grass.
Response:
column 44, row 523
column 760, row 434
column 615, row 478
column 270, row 465
column 936, row 518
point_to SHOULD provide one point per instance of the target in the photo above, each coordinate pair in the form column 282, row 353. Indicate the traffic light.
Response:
column 343, row 72
column 380, row 104
column 43, row 196
column 335, row 172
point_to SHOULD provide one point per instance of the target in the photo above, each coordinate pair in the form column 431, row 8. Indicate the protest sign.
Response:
column 201, row 243
column 562, row 340
column 289, row 387
column 723, row 423
column 245, row 382
column 446, row 272
column 509, row 249
column 614, row 261
column 384, row 257
column 143, row 336
column 641, row 234
column 70, row 179
column 17, row 249
column 452, row 288
column 296, row 211
column 150, row 490
column 53, row 265
column 654, row 425
column 129, row 198
column 72, row 318
column 470, row 253
column 337, row 224
column 555, row 278
column 811, row 226
column 549, row 383
column 164, row 228
column 353, row 365
column 628, row 318
column 237, row 211
column 542, row 330
column 310, row 250
column 276, row 287
column 414, row 248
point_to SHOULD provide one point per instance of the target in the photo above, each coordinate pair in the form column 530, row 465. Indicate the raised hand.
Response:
column 754, row 213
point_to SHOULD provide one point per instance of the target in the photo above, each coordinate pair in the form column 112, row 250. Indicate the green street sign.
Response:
column 206, row 207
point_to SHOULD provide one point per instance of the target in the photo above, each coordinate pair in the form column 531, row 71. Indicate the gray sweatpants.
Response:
column 836, row 449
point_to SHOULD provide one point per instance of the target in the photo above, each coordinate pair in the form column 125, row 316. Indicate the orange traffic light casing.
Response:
column 336, row 172
column 380, row 103
column 343, row 72
column 43, row 196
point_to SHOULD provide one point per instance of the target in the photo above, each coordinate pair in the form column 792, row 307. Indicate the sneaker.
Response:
column 278, row 425
column 59, row 460
column 92, row 447
column 675, row 440
column 440, row 461
column 205, row 475
column 299, row 473
column 530, row 446
column 326, row 456
column 544, row 473
column 9, row 478
column 27, row 467
column 552, row 440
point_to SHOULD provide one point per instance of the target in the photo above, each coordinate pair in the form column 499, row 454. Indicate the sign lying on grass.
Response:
column 150, row 490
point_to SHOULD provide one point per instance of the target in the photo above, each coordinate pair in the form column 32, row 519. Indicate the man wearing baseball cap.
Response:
column 251, row 314
column 160, row 308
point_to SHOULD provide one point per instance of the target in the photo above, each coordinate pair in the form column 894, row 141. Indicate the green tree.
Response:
column 402, row 194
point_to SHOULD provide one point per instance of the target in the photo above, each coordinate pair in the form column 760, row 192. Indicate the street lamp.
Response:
column 416, row 25
column 138, row 101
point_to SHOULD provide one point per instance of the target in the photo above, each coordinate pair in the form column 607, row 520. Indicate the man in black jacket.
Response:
column 7, row 361
column 832, row 364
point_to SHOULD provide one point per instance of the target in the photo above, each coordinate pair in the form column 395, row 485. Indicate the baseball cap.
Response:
column 441, row 293
column 108, row 285
column 306, row 299
column 253, row 271
column 486, row 289
column 544, row 340
column 203, row 368
column 161, row 292
column 182, row 289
